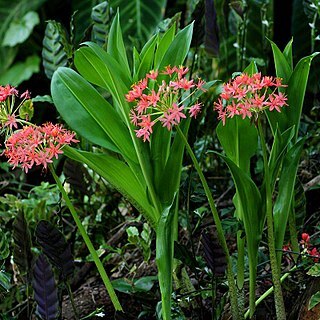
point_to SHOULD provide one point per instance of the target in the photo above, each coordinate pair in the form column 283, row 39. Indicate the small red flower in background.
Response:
column 248, row 95
column 37, row 145
column 163, row 102
column 307, row 247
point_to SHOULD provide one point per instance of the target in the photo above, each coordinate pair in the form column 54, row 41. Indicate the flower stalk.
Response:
column 275, row 268
column 87, row 241
column 232, row 286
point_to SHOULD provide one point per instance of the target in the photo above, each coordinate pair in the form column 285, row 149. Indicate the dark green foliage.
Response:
column 22, row 254
column 45, row 291
column 55, row 247
column 139, row 18
column 101, row 18
column 55, row 48
column 4, row 246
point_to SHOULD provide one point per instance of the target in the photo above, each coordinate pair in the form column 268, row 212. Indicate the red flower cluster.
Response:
column 8, row 110
column 307, row 246
column 247, row 95
column 162, row 101
column 35, row 145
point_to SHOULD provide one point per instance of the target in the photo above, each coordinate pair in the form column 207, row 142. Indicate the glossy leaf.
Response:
column 20, row 30
column 249, row 199
column 239, row 140
column 279, row 147
column 120, row 176
column 45, row 291
column 297, row 83
column 116, row 46
column 164, row 44
column 100, row 68
column 21, row 71
column 285, row 194
column 88, row 113
column 283, row 67
column 178, row 49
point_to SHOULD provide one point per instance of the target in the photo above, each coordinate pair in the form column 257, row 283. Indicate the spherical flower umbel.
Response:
column 247, row 96
column 162, row 101
column 37, row 145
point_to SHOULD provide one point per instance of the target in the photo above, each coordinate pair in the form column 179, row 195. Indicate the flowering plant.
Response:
column 166, row 103
column 247, row 97
column 139, row 170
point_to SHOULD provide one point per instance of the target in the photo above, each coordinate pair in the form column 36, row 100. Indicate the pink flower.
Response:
column 246, row 96
column 7, row 91
column 37, row 145
column 195, row 110
column 152, row 75
column 162, row 100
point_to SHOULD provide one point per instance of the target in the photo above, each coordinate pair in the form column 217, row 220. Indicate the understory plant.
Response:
column 147, row 174
column 247, row 105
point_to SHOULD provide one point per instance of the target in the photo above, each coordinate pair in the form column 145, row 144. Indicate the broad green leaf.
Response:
column 285, row 194
column 287, row 52
column 178, row 48
column 314, row 300
column 20, row 30
column 251, row 68
column 282, row 66
column 290, row 115
column 143, row 284
column 314, row 271
column 164, row 44
column 115, row 45
column 146, row 57
column 296, row 91
column 88, row 113
column 139, row 18
column 239, row 139
column 106, row 73
column 279, row 146
column 249, row 198
column 20, row 71
column 120, row 176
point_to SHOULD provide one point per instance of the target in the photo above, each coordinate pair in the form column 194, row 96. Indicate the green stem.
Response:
column 278, row 297
column 293, row 232
column 76, row 315
column 88, row 243
column 269, row 291
column 221, row 237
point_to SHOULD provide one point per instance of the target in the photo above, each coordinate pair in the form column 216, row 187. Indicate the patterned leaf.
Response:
column 101, row 16
column 139, row 17
column 22, row 254
column 213, row 252
column 55, row 48
column 55, row 247
column 45, row 291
